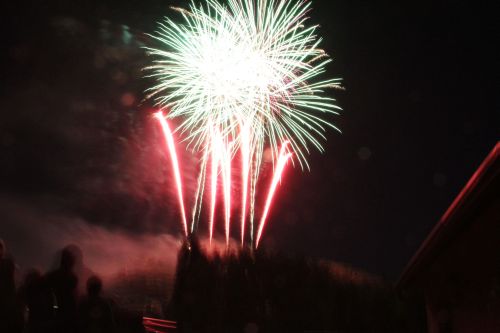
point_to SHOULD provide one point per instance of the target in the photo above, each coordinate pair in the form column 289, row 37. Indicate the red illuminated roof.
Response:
column 479, row 187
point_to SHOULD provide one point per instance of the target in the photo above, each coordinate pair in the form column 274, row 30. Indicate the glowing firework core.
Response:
column 241, row 76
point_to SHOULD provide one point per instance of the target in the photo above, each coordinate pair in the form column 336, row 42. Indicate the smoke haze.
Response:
column 34, row 236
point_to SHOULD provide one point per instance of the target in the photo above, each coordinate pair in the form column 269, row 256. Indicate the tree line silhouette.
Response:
column 245, row 291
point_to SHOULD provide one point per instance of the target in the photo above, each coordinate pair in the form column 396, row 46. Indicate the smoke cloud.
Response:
column 34, row 236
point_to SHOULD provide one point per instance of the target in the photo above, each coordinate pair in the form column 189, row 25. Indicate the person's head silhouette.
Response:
column 2, row 248
column 94, row 286
column 68, row 258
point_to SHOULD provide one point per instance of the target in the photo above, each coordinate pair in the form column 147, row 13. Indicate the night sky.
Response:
column 420, row 113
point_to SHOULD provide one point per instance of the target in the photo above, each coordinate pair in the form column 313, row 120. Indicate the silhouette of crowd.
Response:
column 65, row 300
column 241, row 291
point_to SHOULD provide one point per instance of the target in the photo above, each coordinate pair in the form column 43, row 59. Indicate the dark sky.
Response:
column 420, row 113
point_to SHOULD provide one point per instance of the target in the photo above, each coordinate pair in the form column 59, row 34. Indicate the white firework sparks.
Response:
column 242, row 76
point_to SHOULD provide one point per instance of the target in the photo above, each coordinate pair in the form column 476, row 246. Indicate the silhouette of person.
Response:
column 7, row 268
column 63, row 283
column 38, row 300
column 83, row 273
column 95, row 314
column 11, row 317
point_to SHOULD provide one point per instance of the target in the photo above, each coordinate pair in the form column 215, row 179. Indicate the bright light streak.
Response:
column 221, row 156
column 169, row 140
column 226, row 180
column 245, row 171
column 213, row 187
column 278, row 171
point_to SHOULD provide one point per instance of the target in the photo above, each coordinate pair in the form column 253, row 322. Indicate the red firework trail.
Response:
column 221, row 160
column 282, row 159
column 245, row 172
column 221, row 155
column 169, row 140
column 226, row 180
column 213, row 188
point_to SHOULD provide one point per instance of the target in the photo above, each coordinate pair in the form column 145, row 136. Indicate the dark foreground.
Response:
column 239, row 291
column 245, row 292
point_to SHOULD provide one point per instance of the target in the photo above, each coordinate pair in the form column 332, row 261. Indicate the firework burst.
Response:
column 241, row 76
